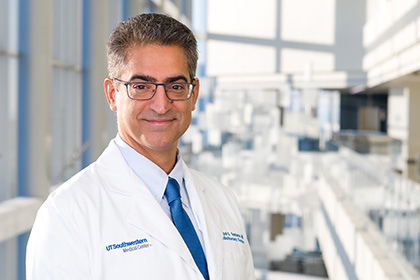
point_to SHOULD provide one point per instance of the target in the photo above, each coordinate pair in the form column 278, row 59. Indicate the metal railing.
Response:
column 17, row 216
column 363, row 188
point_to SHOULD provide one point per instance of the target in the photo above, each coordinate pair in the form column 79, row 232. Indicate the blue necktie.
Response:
column 184, row 226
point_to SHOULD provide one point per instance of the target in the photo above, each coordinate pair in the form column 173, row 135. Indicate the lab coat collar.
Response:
column 201, row 204
column 145, row 213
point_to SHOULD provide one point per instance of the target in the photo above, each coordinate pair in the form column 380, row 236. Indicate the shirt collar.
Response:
column 150, row 173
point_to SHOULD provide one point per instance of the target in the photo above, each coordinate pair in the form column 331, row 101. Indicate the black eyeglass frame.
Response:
column 126, row 84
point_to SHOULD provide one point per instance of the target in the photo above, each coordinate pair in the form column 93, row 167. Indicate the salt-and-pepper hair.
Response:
column 146, row 29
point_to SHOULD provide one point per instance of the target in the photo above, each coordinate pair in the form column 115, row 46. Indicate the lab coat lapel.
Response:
column 147, row 215
column 145, row 212
column 209, row 221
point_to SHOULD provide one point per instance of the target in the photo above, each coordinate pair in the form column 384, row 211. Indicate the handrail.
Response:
column 17, row 216
column 376, row 191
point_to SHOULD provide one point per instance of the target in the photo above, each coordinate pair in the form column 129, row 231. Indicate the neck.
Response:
column 165, row 157
column 166, row 161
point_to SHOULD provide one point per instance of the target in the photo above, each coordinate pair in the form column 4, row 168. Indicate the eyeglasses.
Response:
column 146, row 90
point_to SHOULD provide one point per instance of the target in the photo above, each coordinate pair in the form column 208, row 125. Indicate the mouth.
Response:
column 160, row 122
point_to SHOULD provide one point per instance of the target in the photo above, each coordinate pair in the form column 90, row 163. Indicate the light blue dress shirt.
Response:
column 156, row 180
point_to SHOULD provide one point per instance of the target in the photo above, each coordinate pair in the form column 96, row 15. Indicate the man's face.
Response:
column 152, row 126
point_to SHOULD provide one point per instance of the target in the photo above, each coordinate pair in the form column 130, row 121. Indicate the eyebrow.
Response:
column 153, row 80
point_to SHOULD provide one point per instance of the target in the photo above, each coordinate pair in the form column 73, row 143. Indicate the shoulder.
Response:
column 70, row 195
column 59, row 229
column 88, row 182
column 84, row 188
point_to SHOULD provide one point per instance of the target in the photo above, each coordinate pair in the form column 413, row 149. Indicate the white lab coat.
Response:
column 104, row 223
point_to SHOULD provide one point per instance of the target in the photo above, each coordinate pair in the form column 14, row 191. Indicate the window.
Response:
column 66, row 120
column 8, row 122
column 8, row 106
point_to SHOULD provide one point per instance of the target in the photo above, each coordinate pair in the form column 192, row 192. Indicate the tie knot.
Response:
column 172, row 190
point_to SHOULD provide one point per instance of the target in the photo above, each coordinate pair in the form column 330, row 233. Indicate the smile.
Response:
column 160, row 121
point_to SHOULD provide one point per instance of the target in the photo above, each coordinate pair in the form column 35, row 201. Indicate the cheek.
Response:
column 126, row 111
column 188, row 116
column 187, row 111
column 190, row 107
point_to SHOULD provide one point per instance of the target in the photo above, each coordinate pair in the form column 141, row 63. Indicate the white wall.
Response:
column 304, row 39
column 392, row 40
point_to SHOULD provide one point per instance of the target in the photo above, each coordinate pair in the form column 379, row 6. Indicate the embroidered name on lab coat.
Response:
column 231, row 236
column 130, row 246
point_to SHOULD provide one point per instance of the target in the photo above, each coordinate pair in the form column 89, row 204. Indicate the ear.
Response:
column 194, row 96
column 110, row 92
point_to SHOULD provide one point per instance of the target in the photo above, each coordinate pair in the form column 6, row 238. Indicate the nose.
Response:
column 160, row 103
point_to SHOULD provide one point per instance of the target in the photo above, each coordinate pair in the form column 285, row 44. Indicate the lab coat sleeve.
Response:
column 56, row 247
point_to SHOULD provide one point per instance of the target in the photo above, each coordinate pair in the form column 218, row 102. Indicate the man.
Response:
column 139, row 212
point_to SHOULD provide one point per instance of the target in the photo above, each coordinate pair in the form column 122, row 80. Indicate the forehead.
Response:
column 159, row 61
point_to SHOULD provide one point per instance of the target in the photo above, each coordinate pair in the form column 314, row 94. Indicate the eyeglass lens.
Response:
column 174, row 91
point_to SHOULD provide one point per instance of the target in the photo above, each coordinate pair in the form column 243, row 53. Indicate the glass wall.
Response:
column 65, row 45
column 53, row 116
column 8, row 93
column 66, row 90
column 8, row 123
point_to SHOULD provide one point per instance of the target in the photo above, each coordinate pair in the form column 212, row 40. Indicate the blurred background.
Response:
column 309, row 111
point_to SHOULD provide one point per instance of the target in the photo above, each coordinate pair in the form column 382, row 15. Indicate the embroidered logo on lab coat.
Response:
column 130, row 246
column 231, row 236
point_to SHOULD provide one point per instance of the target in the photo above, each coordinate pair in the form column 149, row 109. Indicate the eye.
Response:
column 142, row 86
column 177, row 87
column 139, row 86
